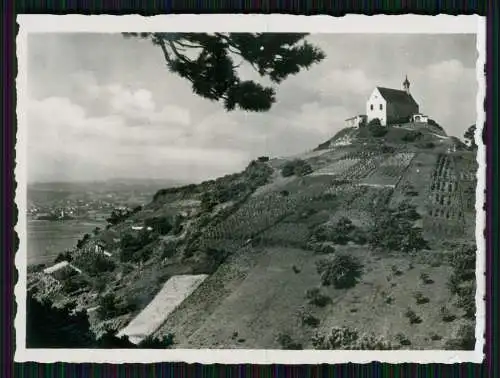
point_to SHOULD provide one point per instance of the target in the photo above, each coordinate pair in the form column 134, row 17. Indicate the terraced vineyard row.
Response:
column 263, row 212
column 445, row 213
column 257, row 214
column 361, row 170
column 336, row 168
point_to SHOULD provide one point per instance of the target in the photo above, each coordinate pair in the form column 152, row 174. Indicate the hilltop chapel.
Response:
column 389, row 106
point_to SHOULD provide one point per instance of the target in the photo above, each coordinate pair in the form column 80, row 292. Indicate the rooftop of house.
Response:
column 396, row 96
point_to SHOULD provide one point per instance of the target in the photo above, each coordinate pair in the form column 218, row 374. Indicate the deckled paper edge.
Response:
column 271, row 23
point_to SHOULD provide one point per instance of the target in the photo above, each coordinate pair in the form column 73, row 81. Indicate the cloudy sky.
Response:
column 102, row 106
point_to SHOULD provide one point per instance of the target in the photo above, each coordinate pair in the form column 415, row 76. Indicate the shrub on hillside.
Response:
column 402, row 339
column 341, row 271
column 316, row 298
column 338, row 338
column 309, row 320
column 446, row 315
column 177, row 224
column 413, row 317
column 263, row 159
column 110, row 307
column 342, row 232
column 118, row 216
column 407, row 211
column 81, row 242
column 369, row 341
column 349, row 338
column 168, row 249
column 286, row 342
column 109, row 340
column 133, row 248
column 412, row 136
column 64, row 256
column 215, row 257
column 208, row 202
column 324, row 248
column 376, row 129
column 74, row 283
column 93, row 263
column 467, row 300
column 296, row 167
column 385, row 149
column 463, row 262
column 420, row 298
column 465, row 340
column 426, row 145
column 393, row 230
column 51, row 327
column 161, row 225
column 152, row 342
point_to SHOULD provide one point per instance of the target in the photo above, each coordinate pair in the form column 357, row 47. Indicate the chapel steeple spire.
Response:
column 406, row 85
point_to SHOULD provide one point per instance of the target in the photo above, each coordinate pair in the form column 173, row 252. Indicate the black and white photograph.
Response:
column 187, row 193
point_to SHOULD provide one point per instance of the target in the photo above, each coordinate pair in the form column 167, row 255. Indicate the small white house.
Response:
column 419, row 118
column 356, row 121
column 137, row 228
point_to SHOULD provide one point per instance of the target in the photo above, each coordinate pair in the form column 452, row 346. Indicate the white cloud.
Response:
column 67, row 143
column 130, row 102
column 344, row 82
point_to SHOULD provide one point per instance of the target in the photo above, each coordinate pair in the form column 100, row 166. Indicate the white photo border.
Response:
column 410, row 24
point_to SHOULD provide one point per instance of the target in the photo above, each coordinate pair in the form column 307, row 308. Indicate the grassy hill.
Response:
column 368, row 245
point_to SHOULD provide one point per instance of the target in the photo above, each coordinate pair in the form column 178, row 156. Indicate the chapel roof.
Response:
column 396, row 96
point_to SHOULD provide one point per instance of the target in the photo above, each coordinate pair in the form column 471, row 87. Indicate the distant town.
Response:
column 88, row 201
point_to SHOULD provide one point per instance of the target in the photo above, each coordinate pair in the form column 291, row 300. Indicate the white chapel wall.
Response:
column 378, row 102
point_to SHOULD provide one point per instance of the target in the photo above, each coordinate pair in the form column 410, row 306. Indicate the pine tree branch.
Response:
column 178, row 54
column 161, row 43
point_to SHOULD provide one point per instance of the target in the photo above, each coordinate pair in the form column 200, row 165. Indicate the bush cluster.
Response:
column 111, row 307
column 393, row 230
column 465, row 340
column 136, row 248
column 342, row 232
column 296, row 167
column 62, row 327
column 234, row 187
column 74, row 283
column 161, row 225
column 81, row 242
column 376, row 129
column 341, row 271
column 412, row 136
column 349, row 338
column 64, row 256
column 119, row 215
column 215, row 257
column 286, row 342
column 93, row 263
column 316, row 298
column 462, row 280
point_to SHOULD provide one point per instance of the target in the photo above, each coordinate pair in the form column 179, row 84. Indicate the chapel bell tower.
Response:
column 406, row 85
